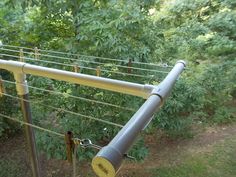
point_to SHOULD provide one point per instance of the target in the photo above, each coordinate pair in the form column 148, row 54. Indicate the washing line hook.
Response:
column 87, row 143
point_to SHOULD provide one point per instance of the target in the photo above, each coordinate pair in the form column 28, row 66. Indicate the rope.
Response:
column 67, row 111
column 88, row 56
column 72, row 96
column 31, row 125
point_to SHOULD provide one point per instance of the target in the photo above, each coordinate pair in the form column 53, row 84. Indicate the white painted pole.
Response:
column 23, row 92
column 93, row 81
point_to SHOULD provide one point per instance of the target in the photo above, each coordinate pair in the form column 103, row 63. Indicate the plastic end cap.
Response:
column 182, row 61
column 103, row 167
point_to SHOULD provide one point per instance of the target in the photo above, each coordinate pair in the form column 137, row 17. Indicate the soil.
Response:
column 163, row 151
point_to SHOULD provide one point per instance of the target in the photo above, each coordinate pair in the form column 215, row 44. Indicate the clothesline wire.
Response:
column 86, row 61
column 67, row 111
column 73, row 96
column 46, row 61
column 70, row 65
column 102, row 58
column 32, row 125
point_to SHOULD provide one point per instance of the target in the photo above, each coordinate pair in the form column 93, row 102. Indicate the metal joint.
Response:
column 87, row 143
column 157, row 91
column 148, row 89
column 182, row 61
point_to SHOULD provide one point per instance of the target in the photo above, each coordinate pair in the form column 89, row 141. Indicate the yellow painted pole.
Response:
column 98, row 71
column 21, row 55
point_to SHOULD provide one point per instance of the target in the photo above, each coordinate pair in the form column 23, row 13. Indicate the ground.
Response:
column 212, row 152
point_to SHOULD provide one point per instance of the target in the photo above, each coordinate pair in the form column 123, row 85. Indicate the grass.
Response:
column 10, row 168
column 219, row 162
column 215, row 160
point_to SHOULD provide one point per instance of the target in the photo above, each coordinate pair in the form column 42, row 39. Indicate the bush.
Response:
column 187, row 97
column 223, row 115
column 9, row 107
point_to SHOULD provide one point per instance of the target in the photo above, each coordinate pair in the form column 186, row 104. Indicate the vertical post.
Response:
column 2, row 89
column 129, row 66
column 36, row 53
column 76, row 68
column 69, row 146
column 21, row 55
column 23, row 93
column 98, row 71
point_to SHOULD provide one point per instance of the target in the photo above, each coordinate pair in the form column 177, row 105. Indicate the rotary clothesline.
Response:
column 109, row 159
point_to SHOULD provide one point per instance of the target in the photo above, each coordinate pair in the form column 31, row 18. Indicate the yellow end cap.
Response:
column 102, row 167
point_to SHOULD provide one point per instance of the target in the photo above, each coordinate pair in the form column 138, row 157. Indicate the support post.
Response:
column 129, row 66
column 36, row 53
column 69, row 146
column 98, row 71
column 22, row 91
column 76, row 68
column 21, row 55
column 108, row 160
column 2, row 89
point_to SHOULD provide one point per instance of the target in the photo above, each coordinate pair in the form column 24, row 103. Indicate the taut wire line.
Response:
column 67, row 111
column 72, row 65
column 87, row 61
column 73, row 96
column 31, row 125
column 88, row 56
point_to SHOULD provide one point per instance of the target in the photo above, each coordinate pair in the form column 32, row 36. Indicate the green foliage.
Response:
column 139, row 151
column 186, row 98
column 9, row 167
column 8, row 107
column 223, row 115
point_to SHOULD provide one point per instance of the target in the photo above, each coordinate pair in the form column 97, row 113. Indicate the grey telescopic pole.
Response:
column 108, row 160
column 22, row 91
